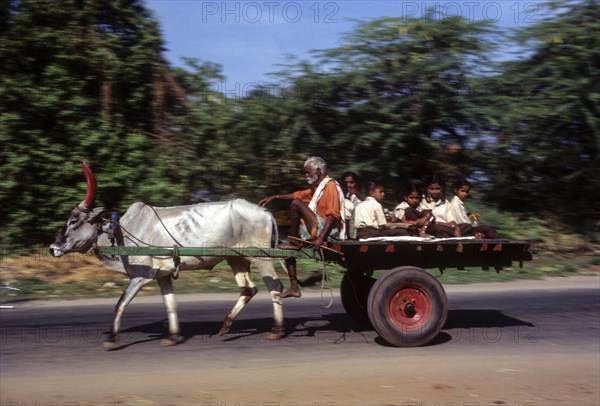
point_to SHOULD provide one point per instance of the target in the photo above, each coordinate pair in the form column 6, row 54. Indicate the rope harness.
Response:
column 321, row 250
column 115, row 230
column 114, row 227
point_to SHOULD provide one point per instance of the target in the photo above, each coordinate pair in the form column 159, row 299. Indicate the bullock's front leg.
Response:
column 272, row 282
column 134, row 286
column 247, row 292
column 277, row 332
column 166, row 288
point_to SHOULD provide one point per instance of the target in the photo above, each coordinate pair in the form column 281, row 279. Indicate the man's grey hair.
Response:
column 316, row 162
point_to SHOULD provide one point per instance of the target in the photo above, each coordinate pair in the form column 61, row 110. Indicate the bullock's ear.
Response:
column 96, row 214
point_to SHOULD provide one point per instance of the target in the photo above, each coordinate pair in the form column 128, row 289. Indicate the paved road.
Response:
column 518, row 343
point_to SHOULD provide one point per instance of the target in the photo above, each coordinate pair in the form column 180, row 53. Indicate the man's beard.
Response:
column 312, row 180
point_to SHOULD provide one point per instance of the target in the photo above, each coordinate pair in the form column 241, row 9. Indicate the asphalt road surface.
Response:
column 518, row 343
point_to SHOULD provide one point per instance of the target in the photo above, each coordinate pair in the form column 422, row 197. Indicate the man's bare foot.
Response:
column 291, row 292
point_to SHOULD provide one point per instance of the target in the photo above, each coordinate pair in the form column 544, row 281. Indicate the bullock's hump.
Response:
column 137, row 206
column 247, row 207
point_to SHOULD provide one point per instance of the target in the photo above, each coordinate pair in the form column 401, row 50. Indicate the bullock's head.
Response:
column 81, row 229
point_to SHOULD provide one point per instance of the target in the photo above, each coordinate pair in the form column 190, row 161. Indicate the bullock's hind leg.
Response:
column 134, row 286
column 241, row 271
column 272, row 282
column 166, row 288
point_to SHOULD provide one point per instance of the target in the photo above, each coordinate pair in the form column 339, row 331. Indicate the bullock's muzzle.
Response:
column 55, row 251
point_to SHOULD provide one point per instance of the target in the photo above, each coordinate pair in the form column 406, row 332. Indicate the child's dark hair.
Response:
column 460, row 182
column 411, row 188
column 432, row 179
column 371, row 186
column 353, row 175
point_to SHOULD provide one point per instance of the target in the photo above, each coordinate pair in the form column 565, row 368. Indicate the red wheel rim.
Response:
column 410, row 308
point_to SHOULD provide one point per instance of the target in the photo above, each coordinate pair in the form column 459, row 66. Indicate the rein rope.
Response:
column 114, row 224
column 323, row 279
column 163, row 224
column 321, row 252
column 176, row 257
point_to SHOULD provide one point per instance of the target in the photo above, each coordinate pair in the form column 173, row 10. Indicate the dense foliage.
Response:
column 79, row 80
column 398, row 99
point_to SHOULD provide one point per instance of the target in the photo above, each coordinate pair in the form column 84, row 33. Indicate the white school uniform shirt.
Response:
column 350, row 202
column 438, row 209
column 369, row 213
column 400, row 209
column 456, row 211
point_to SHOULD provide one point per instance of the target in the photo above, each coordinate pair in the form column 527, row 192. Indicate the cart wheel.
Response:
column 407, row 306
column 354, row 291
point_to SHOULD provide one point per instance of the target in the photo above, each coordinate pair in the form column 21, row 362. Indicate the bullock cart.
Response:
column 405, row 304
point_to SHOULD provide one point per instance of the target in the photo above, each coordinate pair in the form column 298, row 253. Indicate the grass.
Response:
column 81, row 276
column 39, row 276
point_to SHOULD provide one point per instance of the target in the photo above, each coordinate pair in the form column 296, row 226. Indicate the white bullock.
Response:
column 235, row 223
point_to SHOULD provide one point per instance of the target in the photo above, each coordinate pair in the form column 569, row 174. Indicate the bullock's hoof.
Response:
column 171, row 341
column 275, row 334
column 226, row 327
column 109, row 345
column 111, row 342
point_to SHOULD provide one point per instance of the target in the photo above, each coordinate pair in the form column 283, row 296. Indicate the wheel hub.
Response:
column 410, row 308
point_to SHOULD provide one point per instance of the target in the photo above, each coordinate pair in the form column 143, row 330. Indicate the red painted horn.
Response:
column 90, row 179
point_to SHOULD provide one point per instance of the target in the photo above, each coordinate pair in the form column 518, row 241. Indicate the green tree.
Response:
column 235, row 142
column 394, row 100
column 79, row 80
column 544, row 156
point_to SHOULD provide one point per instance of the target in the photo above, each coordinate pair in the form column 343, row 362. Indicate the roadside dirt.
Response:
column 541, row 375
column 533, row 380
column 68, row 269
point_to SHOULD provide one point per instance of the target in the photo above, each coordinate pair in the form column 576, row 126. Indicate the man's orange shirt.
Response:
column 328, row 204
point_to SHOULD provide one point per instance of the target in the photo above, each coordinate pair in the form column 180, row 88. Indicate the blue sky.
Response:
column 249, row 38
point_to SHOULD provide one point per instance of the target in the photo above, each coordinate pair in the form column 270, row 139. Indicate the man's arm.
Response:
column 269, row 199
column 303, row 195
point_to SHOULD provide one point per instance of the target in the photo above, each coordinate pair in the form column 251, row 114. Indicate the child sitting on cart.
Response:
column 370, row 220
column 407, row 212
column 411, row 211
column 468, row 223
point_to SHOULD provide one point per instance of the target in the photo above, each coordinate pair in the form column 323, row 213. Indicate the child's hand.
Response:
column 457, row 232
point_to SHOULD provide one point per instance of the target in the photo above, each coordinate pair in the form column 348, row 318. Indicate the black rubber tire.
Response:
column 407, row 306
column 354, row 292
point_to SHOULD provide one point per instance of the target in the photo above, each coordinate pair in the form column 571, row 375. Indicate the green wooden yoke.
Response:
column 207, row 251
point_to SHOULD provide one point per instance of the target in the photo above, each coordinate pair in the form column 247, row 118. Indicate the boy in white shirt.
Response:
column 370, row 220
column 467, row 222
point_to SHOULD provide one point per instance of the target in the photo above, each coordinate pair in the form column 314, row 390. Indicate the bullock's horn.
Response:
column 90, row 194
